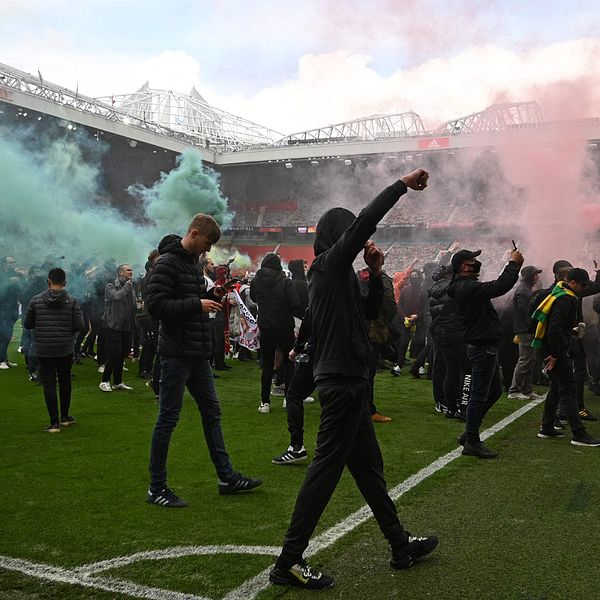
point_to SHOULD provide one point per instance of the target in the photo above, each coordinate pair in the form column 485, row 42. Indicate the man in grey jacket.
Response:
column 56, row 317
column 118, row 322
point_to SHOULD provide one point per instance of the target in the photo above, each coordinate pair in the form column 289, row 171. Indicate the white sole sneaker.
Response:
column 264, row 408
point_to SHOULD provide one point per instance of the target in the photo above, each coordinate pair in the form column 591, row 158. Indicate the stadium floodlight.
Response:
column 288, row 165
column 314, row 163
column 132, row 143
column 347, row 162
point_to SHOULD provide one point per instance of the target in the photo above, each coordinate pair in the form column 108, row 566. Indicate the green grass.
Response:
column 523, row 526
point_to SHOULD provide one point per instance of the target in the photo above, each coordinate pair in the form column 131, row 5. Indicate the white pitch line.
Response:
column 249, row 589
column 175, row 552
column 58, row 575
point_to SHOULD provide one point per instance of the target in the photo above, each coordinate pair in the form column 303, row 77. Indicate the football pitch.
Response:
column 74, row 522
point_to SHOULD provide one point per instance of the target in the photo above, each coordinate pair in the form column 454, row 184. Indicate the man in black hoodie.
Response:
column 178, row 297
column 482, row 332
column 56, row 317
column 346, row 436
column 278, row 303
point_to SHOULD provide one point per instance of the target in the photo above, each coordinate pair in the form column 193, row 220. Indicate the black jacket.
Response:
column 337, row 309
column 561, row 320
column 275, row 295
column 56, row 317
column 173, row 296
column 446, row 323
column 299, row 281
column 473, row 301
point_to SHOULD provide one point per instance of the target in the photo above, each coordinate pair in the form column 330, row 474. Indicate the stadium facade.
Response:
column 277, row 184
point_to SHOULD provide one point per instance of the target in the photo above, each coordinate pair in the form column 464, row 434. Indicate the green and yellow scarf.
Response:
column 543, row 310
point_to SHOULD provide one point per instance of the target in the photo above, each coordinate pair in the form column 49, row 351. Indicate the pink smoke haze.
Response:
column 559, row 204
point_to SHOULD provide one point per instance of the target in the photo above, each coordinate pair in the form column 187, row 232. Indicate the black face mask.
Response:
column 475, row 267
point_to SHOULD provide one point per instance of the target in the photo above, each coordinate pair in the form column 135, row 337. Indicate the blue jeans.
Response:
column 486, row 386
column 175, row 375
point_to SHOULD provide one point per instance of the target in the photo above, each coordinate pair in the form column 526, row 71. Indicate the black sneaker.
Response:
column 559, row 426
column 67, row 421
column 290, row 456
column 405, row 556
column 478, row 449
column 238, row 483
column 546, row 433
column 167, row 498
column 455, row 414
column 585, row 439
column 586, row 415
column 300, row 575
column 561, row 418
column 54, row 428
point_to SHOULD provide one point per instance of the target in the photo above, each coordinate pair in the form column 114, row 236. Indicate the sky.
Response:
column 302, row 64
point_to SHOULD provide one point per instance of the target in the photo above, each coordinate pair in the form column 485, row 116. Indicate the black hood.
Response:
column 271, row 261
column 270, row 271
column 170, row 243
column 297, row 269
column 330, row 228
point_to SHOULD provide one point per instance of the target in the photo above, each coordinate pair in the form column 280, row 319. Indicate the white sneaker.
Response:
column 534, row 396
column 125, row 368
column 4, row 365
column 264, row 407
column 105, row 386
column 284, row 403
column 121, row 386
column 518, row 396
column 422, row 371
column 101, row 369
column 308, row 400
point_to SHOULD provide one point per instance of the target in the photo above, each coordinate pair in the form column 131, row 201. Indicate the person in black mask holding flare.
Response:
column 482, row 332
column 346, row 436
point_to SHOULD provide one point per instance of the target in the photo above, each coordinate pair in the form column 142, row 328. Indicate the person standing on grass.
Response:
column 341, row 369
column 56, row 317
column 557, row 318
column 177, row 296
column 482, row 333
column 118, row 321
column 278, row 303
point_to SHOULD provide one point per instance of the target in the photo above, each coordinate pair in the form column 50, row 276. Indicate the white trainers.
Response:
column 101, row 369
column 422, row 371
column 264, row 407
column 125, row 368
column 284, row 403
column 517, row 396
column 308, row 400
column 105, row 386
column 534, row 396
column 121, row 386
column 4, row 365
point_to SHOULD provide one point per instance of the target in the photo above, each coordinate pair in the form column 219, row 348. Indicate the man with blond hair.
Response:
column 178, row 297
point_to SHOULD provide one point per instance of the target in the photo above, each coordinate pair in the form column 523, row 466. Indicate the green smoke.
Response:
column 50, row 205
column 188, row 189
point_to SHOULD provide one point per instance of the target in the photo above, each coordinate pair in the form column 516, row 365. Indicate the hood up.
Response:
column 330, row 228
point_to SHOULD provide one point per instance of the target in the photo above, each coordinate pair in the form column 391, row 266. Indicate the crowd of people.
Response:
column 330, row 328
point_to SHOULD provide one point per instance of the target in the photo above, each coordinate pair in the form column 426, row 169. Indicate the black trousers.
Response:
column 346, row 438
column 580, row 370
column 118, row 344
column 149, row 339
column 301, row 386
column 457, row 366
column 51, row 369
column 270, row 340
column 562, row 389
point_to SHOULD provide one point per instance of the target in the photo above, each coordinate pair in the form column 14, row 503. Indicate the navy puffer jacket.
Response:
column 173, row 296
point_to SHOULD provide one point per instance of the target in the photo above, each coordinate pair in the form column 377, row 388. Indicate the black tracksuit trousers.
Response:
column 346, row 438
column 301, row 386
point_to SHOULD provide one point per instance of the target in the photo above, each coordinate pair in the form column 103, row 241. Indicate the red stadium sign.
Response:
column 434, row 143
